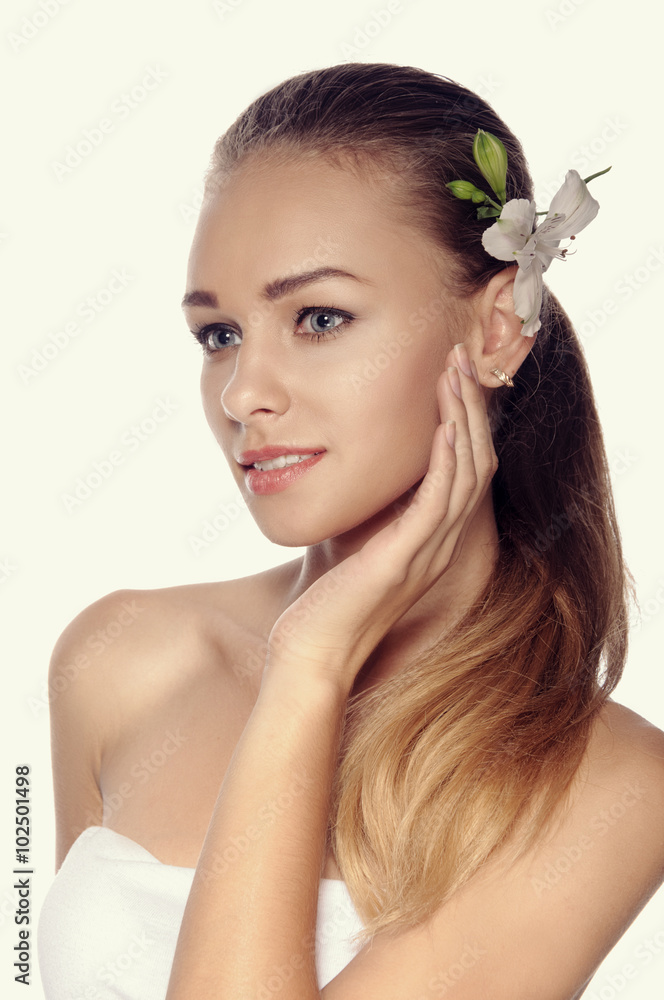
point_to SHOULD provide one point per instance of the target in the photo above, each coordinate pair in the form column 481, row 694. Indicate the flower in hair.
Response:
column 512, row 237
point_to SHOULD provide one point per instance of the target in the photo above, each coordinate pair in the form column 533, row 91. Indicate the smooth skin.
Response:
column 400, row 535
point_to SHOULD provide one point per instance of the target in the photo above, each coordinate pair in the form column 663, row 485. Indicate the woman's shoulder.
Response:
column 622, row 784
column 134, row 639
column 126, row 639
column 609, row 836
column 134, row 658
column 624, row 747
column 617, row 798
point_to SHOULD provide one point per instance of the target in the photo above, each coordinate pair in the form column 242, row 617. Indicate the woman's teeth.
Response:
column 282, row 461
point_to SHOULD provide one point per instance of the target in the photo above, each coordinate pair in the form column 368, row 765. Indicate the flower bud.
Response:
column 466, row 191
column 491, row 157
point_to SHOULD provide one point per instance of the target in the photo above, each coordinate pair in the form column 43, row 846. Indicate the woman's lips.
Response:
column 276, row 480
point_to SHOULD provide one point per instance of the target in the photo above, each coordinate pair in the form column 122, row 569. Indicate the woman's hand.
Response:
column 340, row 619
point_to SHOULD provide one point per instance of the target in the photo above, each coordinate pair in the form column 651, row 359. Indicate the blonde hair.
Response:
column 483, row 733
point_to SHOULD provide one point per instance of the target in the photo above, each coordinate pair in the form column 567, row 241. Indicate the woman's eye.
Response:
column 214, row 337
column 321, row 321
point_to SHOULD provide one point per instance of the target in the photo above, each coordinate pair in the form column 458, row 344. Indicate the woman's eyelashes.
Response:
column 320, row 322
column 207, row 336
column 321, row 317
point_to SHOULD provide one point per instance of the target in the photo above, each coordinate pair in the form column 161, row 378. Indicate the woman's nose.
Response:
column 256, row 382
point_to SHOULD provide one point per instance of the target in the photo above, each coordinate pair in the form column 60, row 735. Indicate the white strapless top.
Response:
column 110, row 921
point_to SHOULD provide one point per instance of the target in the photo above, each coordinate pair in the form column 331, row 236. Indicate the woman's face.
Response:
column 344, row 364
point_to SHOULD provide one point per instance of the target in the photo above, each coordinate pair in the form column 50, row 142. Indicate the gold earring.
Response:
column 502, row 376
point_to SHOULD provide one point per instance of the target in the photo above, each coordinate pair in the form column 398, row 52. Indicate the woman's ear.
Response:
column 495, row 339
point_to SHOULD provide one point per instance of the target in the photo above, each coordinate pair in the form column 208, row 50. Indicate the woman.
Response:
column 407, row 732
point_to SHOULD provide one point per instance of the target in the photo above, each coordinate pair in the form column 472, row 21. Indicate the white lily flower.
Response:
column 512, row 238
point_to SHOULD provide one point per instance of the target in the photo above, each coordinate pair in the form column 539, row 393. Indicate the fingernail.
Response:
column 463, row 359
column 450, row 432
column 455, row 381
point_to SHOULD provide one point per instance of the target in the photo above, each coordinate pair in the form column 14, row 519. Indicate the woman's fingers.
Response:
column 458, row 476
column 473, row 427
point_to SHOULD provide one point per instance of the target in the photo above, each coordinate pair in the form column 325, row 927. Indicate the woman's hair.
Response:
column 473, row 745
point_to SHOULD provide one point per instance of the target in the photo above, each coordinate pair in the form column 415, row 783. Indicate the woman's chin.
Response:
column 302, row 532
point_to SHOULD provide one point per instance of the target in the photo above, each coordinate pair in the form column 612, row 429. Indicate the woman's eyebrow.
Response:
column 278, row 288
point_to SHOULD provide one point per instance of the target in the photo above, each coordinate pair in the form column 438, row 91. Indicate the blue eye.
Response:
column 323, row 321
column 212, row 337
column 325, row 324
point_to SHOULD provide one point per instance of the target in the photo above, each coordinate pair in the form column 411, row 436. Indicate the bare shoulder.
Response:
column 610, row 833
column 626, row 728
column 126, row 643
column 626, row 752
column 132, row 642
column 130, row 655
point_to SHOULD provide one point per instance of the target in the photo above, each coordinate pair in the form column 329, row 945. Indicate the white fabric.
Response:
column 110, row 922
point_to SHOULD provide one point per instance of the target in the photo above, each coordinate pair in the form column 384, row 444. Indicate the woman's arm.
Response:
column 251, row 913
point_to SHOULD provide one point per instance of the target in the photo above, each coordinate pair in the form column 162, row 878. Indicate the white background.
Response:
column 576, row 81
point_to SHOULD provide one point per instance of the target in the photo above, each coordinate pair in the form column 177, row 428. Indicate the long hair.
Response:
column 481, row 735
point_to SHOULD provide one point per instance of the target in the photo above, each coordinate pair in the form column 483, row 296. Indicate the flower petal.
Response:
column 511, row 231
column 528, row 297
column 572, row 208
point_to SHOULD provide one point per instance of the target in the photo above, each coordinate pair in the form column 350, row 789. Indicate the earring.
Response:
column 502, row 376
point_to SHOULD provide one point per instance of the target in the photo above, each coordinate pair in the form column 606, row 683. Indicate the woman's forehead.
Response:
column 282, row 219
